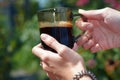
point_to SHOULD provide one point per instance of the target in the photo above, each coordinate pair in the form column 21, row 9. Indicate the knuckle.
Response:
column 45, row 58
column 63, row 49
column 92, row 49
column 33, row 50
column 107, row 8
column 105, row 11
column 85, row 46
column 45, row 68
column 51, row 41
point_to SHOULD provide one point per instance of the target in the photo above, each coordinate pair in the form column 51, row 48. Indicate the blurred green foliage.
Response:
column 16, row 42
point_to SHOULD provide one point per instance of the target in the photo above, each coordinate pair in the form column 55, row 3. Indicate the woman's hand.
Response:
column 63, row 64
column 102, row 31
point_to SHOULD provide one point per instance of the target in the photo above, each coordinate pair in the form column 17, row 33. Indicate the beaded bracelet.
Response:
column 84, row 73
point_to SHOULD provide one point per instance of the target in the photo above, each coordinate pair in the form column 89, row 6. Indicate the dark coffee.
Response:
column 57, row 22
column 62, row 34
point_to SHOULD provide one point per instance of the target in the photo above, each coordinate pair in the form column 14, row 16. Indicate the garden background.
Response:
column 19, row 32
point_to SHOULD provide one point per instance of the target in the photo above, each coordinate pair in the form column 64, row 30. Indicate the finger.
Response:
column 41, row 53
column 89, row 44
column 50, row 41
column 84, row 25
column 46, row 67
column 35, row 50
column 51, row 75
column 92, row 14
column 62, row 50
column 84, row 38
column 75, row 47
column 39, row 45
column 96, row 48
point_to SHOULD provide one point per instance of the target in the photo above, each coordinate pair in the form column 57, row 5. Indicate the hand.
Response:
column 102, row 31
column 64, row 64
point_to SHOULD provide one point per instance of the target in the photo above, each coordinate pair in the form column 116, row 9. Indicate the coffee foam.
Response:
column 55, row 24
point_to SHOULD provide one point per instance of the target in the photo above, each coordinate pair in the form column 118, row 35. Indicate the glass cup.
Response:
column 57, row 22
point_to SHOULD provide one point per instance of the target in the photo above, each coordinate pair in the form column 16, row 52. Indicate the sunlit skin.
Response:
column 102, row 31
column 64, row 64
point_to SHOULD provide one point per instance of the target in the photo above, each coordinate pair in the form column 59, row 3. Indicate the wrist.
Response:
column 84, row 75
column 74, row 71
column 71, row 73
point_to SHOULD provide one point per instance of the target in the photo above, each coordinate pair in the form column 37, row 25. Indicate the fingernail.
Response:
column 44, row 36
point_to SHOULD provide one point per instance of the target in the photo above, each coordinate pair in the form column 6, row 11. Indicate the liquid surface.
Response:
column 56, row 23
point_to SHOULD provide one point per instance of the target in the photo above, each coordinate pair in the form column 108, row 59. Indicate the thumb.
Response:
column 92, row 14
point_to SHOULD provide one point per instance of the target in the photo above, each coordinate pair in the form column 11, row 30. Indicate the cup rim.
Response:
column 55, row 9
